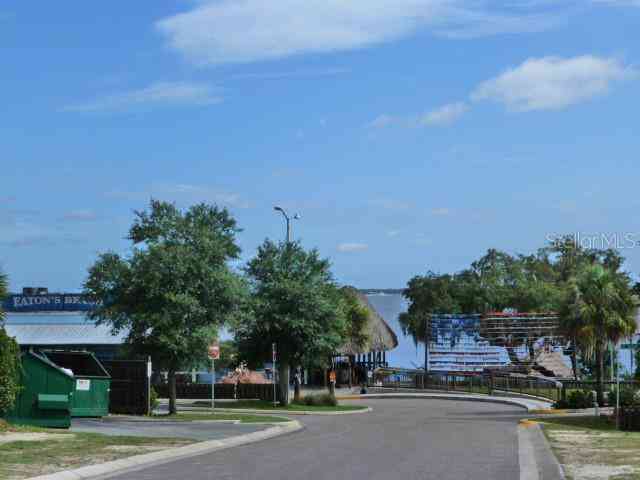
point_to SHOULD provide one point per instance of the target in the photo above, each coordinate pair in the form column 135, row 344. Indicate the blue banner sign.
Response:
column 53, row 302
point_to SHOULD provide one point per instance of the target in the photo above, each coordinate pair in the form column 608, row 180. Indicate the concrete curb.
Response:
column 537, row 460
column 518, row 402
column 506, row 393
column 118, row 467
column 274, row 412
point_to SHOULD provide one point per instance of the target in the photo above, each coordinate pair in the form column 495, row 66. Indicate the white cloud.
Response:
column 227, row 31
column 391, row 204
column 352, row 247
column 440, row 212
column 382, row 121
column 80, row 216
column 552, row 83
column 445, row 115
column 156, row 94
column 393, row 233
column 182, row 193
column 311, row 72
column 618, row 3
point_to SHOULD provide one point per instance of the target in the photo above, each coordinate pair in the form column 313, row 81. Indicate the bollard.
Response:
column 596, row 406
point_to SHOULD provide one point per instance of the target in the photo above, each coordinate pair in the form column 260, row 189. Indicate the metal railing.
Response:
column 484, row 383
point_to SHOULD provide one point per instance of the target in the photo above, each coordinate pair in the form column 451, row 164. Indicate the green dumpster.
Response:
column 92, row 382
column 46, row 394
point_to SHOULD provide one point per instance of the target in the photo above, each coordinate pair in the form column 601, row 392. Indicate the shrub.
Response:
column 628, row 397
column 577, row 399
column 321, row 400
column 153, row 400
column 9, row 371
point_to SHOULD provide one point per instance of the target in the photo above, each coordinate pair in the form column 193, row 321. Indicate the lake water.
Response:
column 406, row 355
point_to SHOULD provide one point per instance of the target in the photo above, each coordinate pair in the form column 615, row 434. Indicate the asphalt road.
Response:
column 400, row 439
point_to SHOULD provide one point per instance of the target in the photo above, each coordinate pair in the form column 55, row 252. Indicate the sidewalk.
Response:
column 529, row 404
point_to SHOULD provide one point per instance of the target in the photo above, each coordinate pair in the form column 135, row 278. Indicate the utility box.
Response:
column 92, row 382
column 46, row 394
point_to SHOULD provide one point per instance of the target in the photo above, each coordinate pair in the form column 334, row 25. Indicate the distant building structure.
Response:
column 496, row 341
column 39, row 320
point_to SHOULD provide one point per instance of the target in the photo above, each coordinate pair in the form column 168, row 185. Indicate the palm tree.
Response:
column 572, row 325
column 603, row 312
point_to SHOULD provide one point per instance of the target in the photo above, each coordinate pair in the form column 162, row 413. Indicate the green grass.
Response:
column 264, row 405
column 586, row 441
column 600, row 424
column 243, row 417
column 23, row 459
column 9, row 428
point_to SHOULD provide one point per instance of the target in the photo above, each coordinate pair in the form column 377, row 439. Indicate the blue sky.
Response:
column 409, row 134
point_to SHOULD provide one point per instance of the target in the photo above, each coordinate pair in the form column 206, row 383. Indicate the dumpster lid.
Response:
column 81, row 363
column 49, row 363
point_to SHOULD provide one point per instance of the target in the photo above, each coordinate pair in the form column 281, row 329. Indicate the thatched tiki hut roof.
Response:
column 380, row 336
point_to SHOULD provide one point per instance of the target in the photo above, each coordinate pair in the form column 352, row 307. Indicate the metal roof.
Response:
column 59, row 330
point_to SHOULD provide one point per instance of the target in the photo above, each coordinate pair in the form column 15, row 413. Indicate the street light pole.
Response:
column 288, row 220
column 285, row 394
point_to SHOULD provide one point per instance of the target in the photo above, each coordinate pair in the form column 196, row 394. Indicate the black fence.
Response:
column 224, row 391
column 486, row 383
column 129, row 388
column 630, row 418
column 590, row 385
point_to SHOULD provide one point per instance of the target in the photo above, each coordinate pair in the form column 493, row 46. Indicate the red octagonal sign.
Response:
column 214, row 351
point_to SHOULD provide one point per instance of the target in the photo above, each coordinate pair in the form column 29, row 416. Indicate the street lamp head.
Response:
column 278, row 209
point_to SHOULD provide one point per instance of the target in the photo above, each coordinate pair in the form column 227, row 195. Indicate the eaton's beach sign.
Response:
column 52, row 302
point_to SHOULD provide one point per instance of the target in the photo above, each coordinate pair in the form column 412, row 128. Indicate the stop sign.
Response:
column 214, row 351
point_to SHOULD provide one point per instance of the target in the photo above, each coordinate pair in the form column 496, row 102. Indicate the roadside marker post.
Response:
column 273, row 358
column 149, row 373
column 214, row 354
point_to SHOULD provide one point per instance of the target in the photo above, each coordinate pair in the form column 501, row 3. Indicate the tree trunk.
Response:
column 296, row 385
column 172, row 392
column 574, row 360
column 600, row 374
column 296, row 392
column 284, row 383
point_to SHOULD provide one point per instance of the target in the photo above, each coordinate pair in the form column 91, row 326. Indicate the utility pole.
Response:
column 288, row 220
column 427, row 336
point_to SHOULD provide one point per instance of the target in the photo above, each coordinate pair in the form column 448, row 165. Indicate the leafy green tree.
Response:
column 603, row 304
column 9, row 358
column 357, row 318
column 295, row 304
column 229, row 355
column 357, row 335
column 429, row 294
column 494, row 282
column 175, row 289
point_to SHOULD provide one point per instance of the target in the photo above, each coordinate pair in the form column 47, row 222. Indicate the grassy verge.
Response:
column 293, row 407
column 8, row 428
column 591, row 447
column 26, row 451
column 204, row 416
